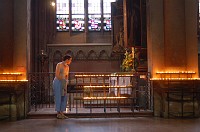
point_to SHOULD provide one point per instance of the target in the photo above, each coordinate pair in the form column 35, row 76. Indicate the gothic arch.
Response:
column 80, row 55
column 92, row 55
column 103, row 55
column 69, row 52
column 57, row 57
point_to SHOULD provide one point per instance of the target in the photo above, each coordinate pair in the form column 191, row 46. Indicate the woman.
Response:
column 60, row 86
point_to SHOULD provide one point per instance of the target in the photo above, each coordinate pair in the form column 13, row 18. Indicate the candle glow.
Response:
column 90, row 98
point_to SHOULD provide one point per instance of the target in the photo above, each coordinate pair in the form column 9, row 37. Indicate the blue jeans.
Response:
column 60, row 101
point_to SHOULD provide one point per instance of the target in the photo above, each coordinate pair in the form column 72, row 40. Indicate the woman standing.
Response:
column 60, row 86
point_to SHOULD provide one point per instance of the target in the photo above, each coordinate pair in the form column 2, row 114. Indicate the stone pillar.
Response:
column 21, row 31
column 6, row 36
column 172, row 43
column 125, row 23
column 172, row 36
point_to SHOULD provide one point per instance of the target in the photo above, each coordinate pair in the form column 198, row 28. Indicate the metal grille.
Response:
column 40, row 90
column 90, row 93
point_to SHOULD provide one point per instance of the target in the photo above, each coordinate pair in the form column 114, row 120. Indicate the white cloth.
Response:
column 120, row 81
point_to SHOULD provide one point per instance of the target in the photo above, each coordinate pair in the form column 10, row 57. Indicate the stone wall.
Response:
column 13, row 103
column 176, row 98
column 94, row 57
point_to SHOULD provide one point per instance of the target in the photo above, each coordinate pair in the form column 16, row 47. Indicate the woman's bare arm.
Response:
column 57, row 72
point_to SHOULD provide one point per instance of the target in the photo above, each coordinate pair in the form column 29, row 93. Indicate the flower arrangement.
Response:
column 128, row 62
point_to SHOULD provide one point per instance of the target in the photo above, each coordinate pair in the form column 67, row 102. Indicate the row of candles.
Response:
column 89, row 98
column 105, row 75
column 125, row 86
column 11, row 75
column 117, row 75
column 175, row 79
column 176, row 72
column 175, row 75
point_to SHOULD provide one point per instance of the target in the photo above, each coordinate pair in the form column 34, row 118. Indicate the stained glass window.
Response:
column 94, row 23
column 107, row 15
column 107, row 26
column 77, row 21
column 107, row 6
column 62, row 6
column 94, row 7
column 62, row 22
column 94, row 15
column 78, row 18
column 62, row 15
column 199, row 15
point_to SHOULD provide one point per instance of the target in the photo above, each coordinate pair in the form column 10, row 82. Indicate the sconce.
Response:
column 53, row 3
column 43, row 58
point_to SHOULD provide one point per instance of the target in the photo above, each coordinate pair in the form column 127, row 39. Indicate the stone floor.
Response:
column 90, row 113
column 134, row 124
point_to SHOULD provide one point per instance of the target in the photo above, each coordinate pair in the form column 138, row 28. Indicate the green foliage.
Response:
column 128, row 62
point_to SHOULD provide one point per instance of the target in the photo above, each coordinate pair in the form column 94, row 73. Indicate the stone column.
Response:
column 172, row 44
column 125, row 23
column 172, row 36
column 21, row 32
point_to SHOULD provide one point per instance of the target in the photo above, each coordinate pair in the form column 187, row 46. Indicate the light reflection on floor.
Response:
column 134, row 124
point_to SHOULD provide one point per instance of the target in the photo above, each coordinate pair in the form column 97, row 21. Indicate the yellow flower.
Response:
column 127, row 63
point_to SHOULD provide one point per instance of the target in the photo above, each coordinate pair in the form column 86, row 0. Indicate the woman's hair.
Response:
column 66, row 57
